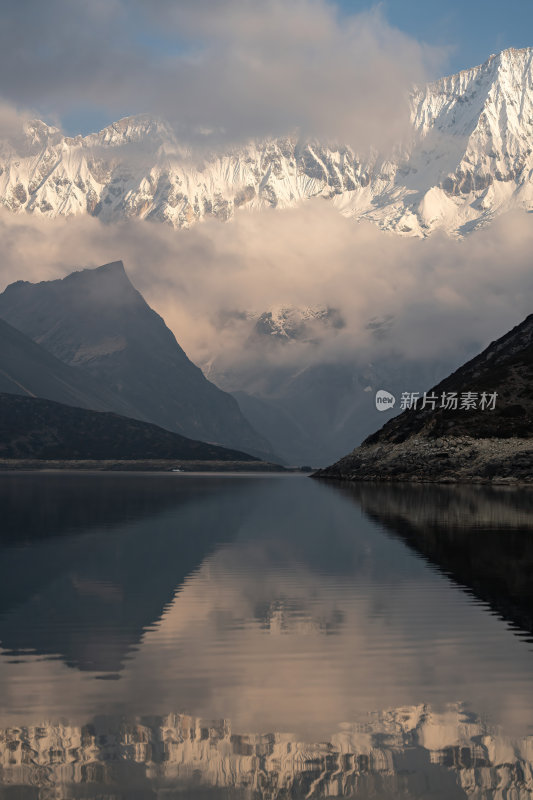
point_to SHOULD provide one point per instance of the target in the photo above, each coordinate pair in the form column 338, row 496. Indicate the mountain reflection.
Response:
column 87, row 563
column 278, row 606
column 480, row 536
column 410, row 752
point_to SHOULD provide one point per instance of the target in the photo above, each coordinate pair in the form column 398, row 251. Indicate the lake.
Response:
column 263, row 636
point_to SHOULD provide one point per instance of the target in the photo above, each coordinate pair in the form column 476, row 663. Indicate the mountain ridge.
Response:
column 34, row 428
column 96, row 321
column 468, row 159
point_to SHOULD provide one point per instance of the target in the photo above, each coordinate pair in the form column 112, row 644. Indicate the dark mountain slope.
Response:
column 28, row 369
column 35, row 428
column 460, row 443
column 95, row 319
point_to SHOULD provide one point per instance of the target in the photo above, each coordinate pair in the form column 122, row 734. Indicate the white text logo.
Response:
column 384, row 400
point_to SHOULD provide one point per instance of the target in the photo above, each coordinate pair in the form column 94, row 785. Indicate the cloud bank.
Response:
column 233, row 69
column 397, row 297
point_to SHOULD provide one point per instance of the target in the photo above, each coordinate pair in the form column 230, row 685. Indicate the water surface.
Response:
column 263, row 637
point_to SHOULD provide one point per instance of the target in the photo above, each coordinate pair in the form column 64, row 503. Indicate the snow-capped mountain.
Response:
column 469, row 159
column 289, row 323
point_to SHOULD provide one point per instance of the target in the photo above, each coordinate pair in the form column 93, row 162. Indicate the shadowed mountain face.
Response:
column 448, row 438
column 34, row 428
column 96, row 320
column 28, row 369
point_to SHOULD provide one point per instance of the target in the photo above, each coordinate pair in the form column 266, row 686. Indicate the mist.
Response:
column 221, row 71
column 395, row 296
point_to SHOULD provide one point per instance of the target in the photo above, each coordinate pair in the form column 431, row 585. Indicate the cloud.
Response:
column 14, row 128
column 58, row 53
column 237, row 68
column 398, row 297
column 271, row 67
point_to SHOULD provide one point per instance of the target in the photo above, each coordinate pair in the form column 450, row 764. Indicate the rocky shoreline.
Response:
column 449, row 459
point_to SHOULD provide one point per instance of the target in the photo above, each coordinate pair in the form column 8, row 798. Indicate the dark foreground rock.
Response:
column 487, row 442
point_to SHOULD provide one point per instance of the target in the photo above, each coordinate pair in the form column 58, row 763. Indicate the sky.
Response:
column 237, row 69
column 471, row 30
column 83, row 64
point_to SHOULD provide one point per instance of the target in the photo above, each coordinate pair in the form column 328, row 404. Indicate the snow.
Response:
column 468, row 160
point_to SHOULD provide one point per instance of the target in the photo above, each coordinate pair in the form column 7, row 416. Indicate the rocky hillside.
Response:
column 477, row 424
column 40, row 429
column 469, row 159
column 96, row 321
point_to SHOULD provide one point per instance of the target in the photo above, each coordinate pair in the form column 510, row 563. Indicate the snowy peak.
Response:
column 141, row 128
column 38, row 133
column 469, row 159
column 289, row 323
column 507, row 74
column 487, row 111
column 471, row 153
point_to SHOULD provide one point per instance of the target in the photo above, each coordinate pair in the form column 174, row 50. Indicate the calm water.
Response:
column 263, row 637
